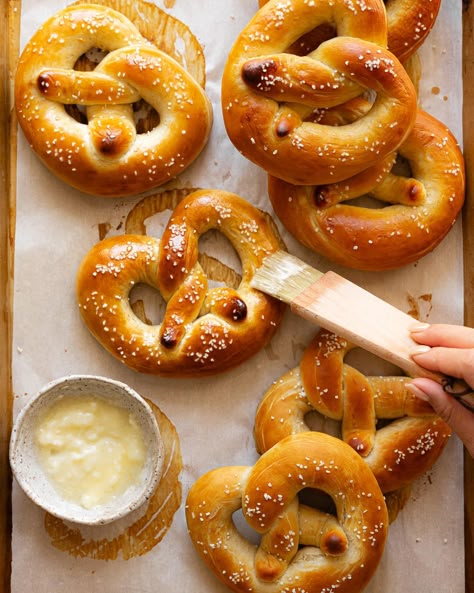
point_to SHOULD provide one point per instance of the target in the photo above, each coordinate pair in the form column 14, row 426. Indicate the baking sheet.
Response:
column 214, row 417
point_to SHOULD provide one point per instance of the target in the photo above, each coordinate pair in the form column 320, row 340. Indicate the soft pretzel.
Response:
column 419, row 210
column 409, row 22
column 107, row 156
column 396, row 434
column 204, row 330
column 268, row 94
column 301, row 549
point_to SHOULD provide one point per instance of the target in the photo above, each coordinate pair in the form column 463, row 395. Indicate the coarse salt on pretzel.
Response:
column 419, row 208
column 204, row 330
column 396, row 434
column 107, row 156
column 267, row 94
column 301, row 549
column 409, row 22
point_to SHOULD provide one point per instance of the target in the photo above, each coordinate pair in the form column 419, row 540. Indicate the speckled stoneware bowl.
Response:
column 28, row 471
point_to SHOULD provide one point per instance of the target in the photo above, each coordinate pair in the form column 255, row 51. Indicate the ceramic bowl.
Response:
column 28, row 469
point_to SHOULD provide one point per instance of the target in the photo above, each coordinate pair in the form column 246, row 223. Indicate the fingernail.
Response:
column 417, row 392
column 419, row 327
column 421, row 349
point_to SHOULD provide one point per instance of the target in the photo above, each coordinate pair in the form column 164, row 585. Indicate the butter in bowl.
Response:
column 87, row 449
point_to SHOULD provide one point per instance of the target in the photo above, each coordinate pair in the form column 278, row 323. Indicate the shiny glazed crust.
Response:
column 409, row 23
column 301, row 548
column 398, row 453
column 268, row 94
column 419, row 208
column 204, row 330
column 107, row 157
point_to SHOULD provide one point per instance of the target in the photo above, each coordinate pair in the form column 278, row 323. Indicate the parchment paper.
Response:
column 214, row 417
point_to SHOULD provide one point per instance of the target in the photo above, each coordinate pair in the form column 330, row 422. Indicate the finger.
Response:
column 442, row 334
column 451, row 411
column 456, row 362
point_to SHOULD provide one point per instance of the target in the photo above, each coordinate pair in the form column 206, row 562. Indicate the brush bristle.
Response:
column 284, row 276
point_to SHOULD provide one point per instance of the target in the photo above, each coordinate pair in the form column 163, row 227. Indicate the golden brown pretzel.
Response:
column 419, row 210
column 397, row 453
column 267, row 493
column 204, row 330
column 268, row 94
column 409, row 22
column 107, row 156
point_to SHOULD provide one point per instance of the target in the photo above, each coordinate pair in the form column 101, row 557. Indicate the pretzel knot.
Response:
column 396, row 434
column 419, row 205
column 204, row 330
column 107, row 156
column 301, row 548
column 268, row 96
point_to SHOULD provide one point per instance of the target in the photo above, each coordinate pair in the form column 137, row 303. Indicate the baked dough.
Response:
column 269, row 95
column 419, row 206
column 204, row 330
column 301, row 548
column 396, row 434
column 409, row 22
column 107, row 156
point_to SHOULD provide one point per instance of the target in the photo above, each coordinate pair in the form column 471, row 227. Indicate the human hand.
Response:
column 448, row 349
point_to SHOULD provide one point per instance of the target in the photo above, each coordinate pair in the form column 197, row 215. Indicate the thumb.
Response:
column 451, row 411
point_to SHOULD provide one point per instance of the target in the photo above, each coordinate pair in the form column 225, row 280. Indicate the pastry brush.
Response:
column 342, row 307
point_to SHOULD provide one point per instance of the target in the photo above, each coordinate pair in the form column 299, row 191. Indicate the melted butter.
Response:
column 147, row 530
column 90, row 449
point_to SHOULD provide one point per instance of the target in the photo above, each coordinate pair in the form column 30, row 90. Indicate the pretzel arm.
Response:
column 278, row 545
column 281, row 411
column 305, row 80
column 395, row 189
column 364, row 183
column 322, row 530
column 393, row 400
column 183, row 308
column 358, row 421
column 73, row 87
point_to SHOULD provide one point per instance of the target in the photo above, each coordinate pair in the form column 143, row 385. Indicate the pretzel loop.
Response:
column 351, row 542
column 409, row 22
column 107, row 157
column 204, row 330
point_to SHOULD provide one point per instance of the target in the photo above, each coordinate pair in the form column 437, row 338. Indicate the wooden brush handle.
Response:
column 360, row 317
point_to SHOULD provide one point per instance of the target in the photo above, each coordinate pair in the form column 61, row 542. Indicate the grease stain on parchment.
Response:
column 146, row 526
column 420, row 306
column 104, row 228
